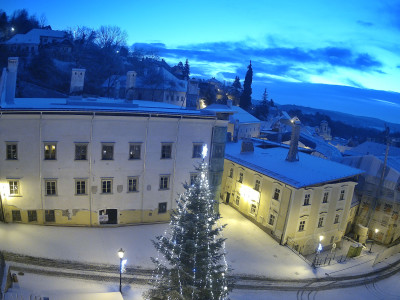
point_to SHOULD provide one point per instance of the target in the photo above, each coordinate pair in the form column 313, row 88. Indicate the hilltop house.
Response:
column 92, row 162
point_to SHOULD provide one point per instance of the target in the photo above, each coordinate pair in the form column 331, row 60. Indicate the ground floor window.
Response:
column 271, row 220
column 32, row 216
column 253, row 209
column 237, row 201
column 49, row 216
column 16, row 215
column 162, row 207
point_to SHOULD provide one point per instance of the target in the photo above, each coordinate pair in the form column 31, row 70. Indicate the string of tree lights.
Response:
column 191, row 263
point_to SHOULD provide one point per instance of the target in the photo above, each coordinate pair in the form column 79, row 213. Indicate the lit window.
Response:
column 325, row 198
column 106, row 186
column 231, row 173
column 134, row 151
column 166, row 151
column 321, row 222
column 240, row 177
column 12, row 153
column 50, row 151
column 80, row 151
column 257, row 185
column 197, row 149
column 237, row 201
column 307, row 199
column 271, row 220
column 107, row 152
column 342, row 195
column 336, row 219
column 162, row 207
column 276, row 194
column 302, row 225
column 14, row 187
column 132, row 184
column 164, row 182
column 193, row 178
column 80, row 187
column 51, row 187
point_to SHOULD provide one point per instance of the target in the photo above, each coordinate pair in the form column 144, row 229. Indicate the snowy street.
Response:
column 250, row 252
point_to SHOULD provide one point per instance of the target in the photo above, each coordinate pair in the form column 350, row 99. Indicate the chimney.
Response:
column 77, row 82
column 294, row 140
column 11, row 79
column 130, row 84
column 247, row 146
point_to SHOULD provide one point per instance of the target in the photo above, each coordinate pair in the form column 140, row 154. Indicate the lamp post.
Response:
column 319, row 249
column 370, row 248
column 121, row 253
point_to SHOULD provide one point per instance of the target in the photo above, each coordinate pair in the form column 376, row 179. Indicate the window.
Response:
column 164, row 182
column 51, row 187
column 107, row 152
column 32, row 216
column 321, row 222
column 332, row 237
column 231, row 173
column 218, row 151
column 16, row 215
column 193, row 178
column 197, row 149
column 302, row 225
column 80, row 151
column 166, row 151
column 80, row 187
column 134, row 151
column 50, row 151
column 240, row 177
column 336, row 219
column 257, row 185
column 106, row 186
column 133, row 184
column 237, row 200
column 276, row 194
column 307, row 199
column 162, row 207
column 325, row 198
column 387, row 207
column 14, row 187
column 12, row 153
column 341, row 195
column 49, row 215
column 253, row 208
column 271, row 220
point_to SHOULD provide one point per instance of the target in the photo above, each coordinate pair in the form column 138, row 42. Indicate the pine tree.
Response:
column 265, row 96
column 186, row 70
column 245, row 98
column 236, row 84
column 193, row 264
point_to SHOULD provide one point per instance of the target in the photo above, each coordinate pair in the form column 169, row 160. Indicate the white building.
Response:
column 99, row 161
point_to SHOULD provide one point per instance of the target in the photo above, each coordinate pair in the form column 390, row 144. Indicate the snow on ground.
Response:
column 249, row 249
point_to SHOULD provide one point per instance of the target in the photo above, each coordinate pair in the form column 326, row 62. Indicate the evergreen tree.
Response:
column 186, row 70
column 193, row 264
column 245, row 98
column 262, row 109
column 265, row 96
column 236, row 84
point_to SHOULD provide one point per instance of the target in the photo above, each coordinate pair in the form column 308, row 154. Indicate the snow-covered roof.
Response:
column 307, row 171
column 100, row 105
column 373, row 149
column 237, row 113
column 33, row 36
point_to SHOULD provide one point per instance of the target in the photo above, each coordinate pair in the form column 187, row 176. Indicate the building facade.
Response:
column 296, row 202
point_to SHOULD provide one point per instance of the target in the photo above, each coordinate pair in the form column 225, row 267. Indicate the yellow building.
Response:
column 296, row 198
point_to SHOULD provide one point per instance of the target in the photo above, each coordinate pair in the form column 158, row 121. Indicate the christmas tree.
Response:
column 193, row 263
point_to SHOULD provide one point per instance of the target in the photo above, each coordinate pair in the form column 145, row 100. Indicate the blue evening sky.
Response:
column 352, row 43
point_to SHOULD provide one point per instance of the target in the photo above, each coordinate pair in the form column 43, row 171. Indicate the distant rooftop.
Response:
column 33, row 36
column 239, row 114
column 372, row 148
column 307, row 171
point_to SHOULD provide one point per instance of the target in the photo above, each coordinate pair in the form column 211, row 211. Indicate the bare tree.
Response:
column 111, row 37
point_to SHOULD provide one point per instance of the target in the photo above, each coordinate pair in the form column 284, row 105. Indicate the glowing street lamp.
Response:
column 121, row 253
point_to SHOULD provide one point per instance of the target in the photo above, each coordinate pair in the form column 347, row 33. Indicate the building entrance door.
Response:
column 108, row 216
column 228, row 195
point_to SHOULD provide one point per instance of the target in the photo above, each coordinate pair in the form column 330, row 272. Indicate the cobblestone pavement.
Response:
column 109, row 273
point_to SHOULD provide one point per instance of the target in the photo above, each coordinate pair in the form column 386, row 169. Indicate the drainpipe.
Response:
column 283, row 240
column 3, row 217
column 40, row 167
column 144, row 168
column 90, row 170
column 174, row 168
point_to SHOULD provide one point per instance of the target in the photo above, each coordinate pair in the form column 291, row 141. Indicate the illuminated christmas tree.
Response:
column 193, row 264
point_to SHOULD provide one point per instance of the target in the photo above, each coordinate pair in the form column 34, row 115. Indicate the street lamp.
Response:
column 376, row 231
column 121, row 253
column 319, row 249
